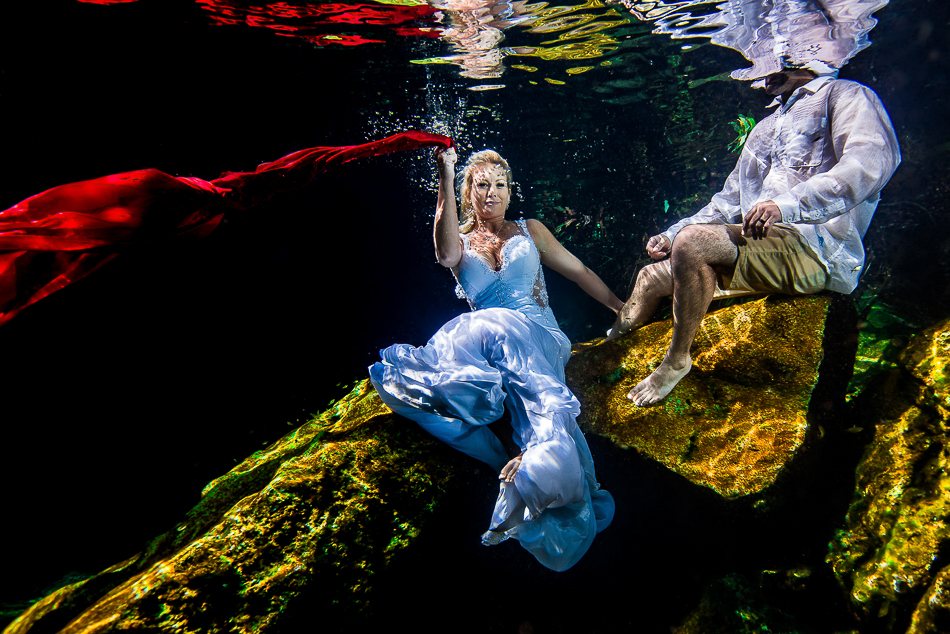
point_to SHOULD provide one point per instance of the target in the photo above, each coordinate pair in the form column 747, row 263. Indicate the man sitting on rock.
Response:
column 790, row 218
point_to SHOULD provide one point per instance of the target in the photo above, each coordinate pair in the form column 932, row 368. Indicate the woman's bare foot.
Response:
column 655, row 387
column 493, row 538
column 508, row 473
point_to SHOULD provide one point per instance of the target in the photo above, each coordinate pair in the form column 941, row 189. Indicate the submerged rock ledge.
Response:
column 306, row 525
column 317, row 513
column 741, row 414
column 893, row 554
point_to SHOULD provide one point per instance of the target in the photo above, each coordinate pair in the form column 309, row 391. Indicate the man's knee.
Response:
column 710, row 244
column 687, row 248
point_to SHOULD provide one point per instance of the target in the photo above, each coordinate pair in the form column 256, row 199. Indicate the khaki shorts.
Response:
column 780, row 263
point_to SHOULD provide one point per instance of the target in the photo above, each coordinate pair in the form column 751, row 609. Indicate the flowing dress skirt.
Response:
column 461, row 380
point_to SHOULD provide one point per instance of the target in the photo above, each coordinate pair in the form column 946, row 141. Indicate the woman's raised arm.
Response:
column 554, row 255
column 445, row 232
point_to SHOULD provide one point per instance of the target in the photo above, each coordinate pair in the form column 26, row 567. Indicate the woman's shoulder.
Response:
column 534, row 227
column 538, row 231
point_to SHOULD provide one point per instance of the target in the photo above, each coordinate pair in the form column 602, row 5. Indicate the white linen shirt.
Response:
column 823, row 158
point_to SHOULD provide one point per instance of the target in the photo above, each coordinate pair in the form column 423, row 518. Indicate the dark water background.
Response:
column 129, row 391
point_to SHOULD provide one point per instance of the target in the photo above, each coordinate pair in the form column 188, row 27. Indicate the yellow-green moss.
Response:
column 738, row 417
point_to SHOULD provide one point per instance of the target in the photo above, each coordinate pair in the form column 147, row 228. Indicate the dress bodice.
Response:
column 517, row 285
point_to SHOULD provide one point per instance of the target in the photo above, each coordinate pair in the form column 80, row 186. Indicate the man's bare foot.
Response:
column 624, row 322
column 655, row 387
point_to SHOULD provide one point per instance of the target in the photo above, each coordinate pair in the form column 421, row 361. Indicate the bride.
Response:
column 509, row 352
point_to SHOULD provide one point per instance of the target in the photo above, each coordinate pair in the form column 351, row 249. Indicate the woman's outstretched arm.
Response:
column 555, row 256
column 445, row 232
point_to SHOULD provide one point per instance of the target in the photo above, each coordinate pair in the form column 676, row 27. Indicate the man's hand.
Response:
column 658, row 247
column 760, row 219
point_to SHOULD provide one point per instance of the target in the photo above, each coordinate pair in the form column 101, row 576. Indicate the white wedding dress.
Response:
column 509, row 352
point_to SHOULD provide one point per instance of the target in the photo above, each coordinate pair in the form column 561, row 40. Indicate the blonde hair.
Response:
column 485, row 157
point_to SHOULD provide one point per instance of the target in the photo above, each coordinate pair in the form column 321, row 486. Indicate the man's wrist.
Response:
column 788, row 205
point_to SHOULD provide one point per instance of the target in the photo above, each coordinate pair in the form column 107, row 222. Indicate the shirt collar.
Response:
column 811, row 87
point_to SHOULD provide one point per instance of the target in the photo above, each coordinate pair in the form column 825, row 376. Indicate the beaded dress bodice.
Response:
column 517, row 285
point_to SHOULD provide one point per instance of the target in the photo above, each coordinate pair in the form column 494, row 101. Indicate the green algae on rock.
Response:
column 311, row 519
column 733, row 605
column 897, row 529
column 882, row 336
column 932, row 614
column 739, row 416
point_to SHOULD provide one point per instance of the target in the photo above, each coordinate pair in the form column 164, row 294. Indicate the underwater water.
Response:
column 127, row 392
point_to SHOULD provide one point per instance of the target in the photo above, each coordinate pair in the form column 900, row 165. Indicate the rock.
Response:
column 932, row 613
column 734, row 605
column 308, row 525
column 740, row 415
column 897, row 532
column 882, row 336
column 308, row 521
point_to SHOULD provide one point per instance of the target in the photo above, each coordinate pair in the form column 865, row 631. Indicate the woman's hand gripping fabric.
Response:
column 508, row 473
column 445, row 158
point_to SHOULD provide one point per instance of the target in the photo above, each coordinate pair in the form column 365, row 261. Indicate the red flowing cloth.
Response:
column 55, row 238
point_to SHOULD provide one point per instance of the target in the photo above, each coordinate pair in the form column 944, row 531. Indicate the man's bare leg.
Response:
column 654, row 282
column 698, row 252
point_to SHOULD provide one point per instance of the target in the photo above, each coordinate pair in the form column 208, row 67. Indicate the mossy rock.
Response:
column 737, row 420
column 305, row 524
column 891, row 555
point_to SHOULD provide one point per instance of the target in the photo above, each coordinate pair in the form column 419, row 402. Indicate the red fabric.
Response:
column 59, row 236
column 293, row 20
